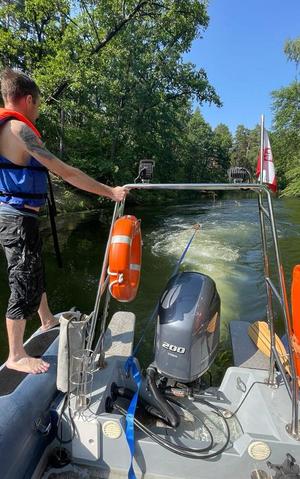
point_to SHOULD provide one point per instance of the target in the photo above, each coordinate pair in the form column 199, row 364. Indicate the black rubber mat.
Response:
column 10, row 379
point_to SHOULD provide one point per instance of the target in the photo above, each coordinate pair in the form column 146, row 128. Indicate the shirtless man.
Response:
column 22, row 193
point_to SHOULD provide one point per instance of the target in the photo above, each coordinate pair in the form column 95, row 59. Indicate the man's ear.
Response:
column 29, row 100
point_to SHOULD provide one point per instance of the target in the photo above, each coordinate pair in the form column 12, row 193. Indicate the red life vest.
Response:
column 6, row 115
column 22, row 185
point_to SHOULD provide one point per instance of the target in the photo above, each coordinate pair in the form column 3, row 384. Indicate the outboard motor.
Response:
column 188, row 327
column 186, row 342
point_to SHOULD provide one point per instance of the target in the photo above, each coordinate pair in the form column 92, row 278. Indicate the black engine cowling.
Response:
column 188, row 327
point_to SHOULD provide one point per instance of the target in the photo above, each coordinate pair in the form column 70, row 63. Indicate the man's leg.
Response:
column 47, row 319
column 18, row 359
column 22, row 246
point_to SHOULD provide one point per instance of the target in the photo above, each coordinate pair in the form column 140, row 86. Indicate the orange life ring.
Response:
column 295, row 301
column 125, row 256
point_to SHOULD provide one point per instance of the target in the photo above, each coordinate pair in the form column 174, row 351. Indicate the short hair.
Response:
column 15, row 85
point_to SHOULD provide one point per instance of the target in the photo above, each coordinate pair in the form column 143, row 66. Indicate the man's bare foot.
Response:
column 28, row 364
column 50, row 323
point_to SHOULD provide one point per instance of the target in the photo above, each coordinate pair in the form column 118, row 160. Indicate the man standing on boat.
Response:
column 24, row 162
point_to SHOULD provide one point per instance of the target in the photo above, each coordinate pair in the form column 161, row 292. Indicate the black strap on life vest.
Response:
column 29, row 196
column 14, row 166
column 52, row 213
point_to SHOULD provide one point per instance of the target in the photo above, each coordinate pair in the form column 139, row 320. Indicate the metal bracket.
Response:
column 43, row 425
column 101, row 363
column 295, row 435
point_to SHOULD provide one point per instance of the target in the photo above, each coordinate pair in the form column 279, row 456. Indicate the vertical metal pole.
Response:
column 262, row 135
column 293, row 429
column 99, row 347
column 102, row 280
column 270, row 314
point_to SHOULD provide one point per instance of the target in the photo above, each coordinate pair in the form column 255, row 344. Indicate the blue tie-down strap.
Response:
column 131, row 367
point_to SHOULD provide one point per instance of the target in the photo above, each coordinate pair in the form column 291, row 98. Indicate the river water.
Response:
column 227, row 248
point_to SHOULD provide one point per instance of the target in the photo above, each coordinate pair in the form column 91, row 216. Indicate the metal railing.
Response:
column 265, row 213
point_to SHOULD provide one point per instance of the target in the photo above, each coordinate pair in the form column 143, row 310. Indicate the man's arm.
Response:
column 74, row 176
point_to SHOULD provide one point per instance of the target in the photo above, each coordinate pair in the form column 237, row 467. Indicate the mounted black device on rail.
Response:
column 146, row 168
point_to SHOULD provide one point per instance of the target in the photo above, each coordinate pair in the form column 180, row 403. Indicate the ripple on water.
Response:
column 226, row 250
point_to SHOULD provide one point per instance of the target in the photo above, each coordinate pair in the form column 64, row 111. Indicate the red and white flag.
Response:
column 269, row 176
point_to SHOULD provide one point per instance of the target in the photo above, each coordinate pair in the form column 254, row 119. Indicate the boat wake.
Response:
column 227, row 249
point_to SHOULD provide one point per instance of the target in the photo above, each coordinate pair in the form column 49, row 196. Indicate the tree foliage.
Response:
column 245, row 148
column 286, row 135
column 292, row 50
column 116, row 90
column 112, row 74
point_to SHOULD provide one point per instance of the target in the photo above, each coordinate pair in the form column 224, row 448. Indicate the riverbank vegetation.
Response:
column 117, row 90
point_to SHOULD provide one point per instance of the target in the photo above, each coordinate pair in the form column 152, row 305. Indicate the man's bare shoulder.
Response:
column 20, row 129
column 12, row 129
column 15, row 125
column 34, row 145
column 10, row 145
column 19, row 141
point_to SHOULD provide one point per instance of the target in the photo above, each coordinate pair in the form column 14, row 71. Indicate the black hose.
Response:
column 168, row 412
column 120, row 391
column 181, row 450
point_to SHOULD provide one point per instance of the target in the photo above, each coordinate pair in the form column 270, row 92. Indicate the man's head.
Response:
column 20, row 93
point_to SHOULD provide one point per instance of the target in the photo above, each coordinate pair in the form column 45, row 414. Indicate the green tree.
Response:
column 199, row 158
column 246, row 145
column 113, row 77
column 222, row 144
column 292, row 51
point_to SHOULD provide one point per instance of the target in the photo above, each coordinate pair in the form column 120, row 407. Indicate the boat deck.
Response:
column 245, row 353
column 243, row 389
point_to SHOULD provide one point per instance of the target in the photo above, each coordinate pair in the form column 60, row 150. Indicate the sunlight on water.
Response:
column 226, row 248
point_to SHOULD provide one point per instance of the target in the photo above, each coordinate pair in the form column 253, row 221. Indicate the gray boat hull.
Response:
column 25, row 421
column 257, row 429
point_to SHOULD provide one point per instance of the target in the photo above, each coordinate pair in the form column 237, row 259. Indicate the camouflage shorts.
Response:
column 20, row 239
